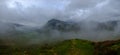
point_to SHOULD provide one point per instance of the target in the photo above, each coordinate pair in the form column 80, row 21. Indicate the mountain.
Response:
column 109, row 25
column 8, row 27
column 65, row 47
column 55, row 24
column 59, row 25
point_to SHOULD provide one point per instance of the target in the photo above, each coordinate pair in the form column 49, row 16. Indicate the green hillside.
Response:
column 67, row 47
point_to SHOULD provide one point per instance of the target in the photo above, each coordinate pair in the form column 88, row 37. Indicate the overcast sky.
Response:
column 38, row 12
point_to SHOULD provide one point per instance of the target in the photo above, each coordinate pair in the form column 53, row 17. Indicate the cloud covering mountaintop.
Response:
column 39, row 21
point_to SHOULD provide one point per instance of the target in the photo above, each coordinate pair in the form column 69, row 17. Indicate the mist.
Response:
column 33, row 15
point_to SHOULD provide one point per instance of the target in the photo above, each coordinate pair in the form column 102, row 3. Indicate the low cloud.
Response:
column 36, row 13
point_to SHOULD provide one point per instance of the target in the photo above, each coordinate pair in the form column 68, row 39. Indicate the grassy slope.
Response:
column 107, row 48
column 67, row 47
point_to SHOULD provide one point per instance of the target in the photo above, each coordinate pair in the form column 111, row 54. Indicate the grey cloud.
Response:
column 83, row 4
column 94, row 10
column 59, row 9
column 41, row 11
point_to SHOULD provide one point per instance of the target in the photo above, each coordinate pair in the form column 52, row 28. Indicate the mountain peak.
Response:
column 61, row 25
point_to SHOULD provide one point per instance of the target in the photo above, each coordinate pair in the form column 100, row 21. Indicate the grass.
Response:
column 67, row 47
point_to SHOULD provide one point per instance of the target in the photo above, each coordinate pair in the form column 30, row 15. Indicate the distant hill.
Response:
column 109, row 25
